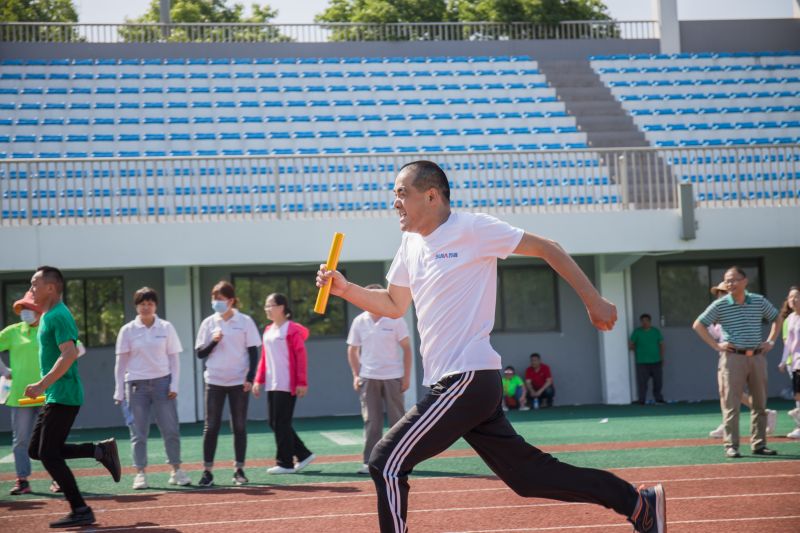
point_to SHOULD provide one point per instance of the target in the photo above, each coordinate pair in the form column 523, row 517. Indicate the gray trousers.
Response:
column 148, row 396
column 736, row 371
column 373, row 394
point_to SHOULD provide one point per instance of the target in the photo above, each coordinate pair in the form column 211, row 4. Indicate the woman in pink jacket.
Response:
column 282, row 372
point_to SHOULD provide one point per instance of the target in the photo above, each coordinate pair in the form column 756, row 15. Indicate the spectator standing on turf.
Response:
column 513, row 390
column 539, row 382
column 740, row 314
column 147, row 375
column 63, row 390
column 379, row 354
column 447, row 264
column 228, row 342
column 647, row 343
column 283, row 373
column 20, row 341
column 715, row 330
column 790, row 362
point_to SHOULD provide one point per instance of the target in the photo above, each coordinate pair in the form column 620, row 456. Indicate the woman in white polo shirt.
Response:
column 147, row 374
column 282, row 372
column 228, row 341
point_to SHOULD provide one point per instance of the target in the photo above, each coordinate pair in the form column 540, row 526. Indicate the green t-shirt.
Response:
column 20, row 341
column 511, row 384
column 646, row 345
column 57, row 327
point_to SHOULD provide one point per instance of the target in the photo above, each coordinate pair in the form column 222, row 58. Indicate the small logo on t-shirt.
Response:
column 446, row 255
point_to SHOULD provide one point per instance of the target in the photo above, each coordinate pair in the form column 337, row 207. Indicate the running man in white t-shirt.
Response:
column 379, row 354
column 447, row 264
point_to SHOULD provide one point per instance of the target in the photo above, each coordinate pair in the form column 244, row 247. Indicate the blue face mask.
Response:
column 29, row 316
column 220, row 306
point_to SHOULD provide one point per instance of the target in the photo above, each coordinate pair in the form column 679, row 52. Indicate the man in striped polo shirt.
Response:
column 743, row 353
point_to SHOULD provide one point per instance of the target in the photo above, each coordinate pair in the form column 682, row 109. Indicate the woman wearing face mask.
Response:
column 282, row 373
column 228, row 342
column 147, row 375
column 21, row 343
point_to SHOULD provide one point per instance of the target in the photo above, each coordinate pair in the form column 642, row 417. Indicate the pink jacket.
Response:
column 298, row 357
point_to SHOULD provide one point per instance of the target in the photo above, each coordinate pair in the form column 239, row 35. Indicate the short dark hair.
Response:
column 535, row 354
column 427, row 175
column 52, row 275
column 145, row 294
column 739, row 270
column 509, row 367
column 226, row 290
column 645, row 315
column 281, row 299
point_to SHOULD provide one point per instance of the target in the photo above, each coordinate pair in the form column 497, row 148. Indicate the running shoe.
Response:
column 206, row 480
column 110, row 458
column 299, row 465
column 280, row 470
column 795, row 413
column 82, row 516
column 239, row 478
column 364, row 469
column 765, row 451
column 794, row 434
column 20, row 487
column 55, row 487
column 732, row 453
column 717, row 433
column 140, row 481
column 179, row 477
column 650, row 514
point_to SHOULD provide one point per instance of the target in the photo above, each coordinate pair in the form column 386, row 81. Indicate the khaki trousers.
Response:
column 373, row 394
column 736, row 371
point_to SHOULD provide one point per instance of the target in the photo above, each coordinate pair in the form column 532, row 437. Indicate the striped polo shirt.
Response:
column 741, row 323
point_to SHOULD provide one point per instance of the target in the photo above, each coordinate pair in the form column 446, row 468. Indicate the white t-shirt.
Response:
column 228, row 362
column 277, row 353
column 146, row 353
column 381, row 356
column 452, row 274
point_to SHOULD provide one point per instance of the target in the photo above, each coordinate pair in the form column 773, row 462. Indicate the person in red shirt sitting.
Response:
column 539, row 382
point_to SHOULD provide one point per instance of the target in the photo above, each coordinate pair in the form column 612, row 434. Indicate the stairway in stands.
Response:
column 607, row 125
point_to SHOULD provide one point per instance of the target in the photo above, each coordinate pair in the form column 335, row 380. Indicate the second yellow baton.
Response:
column 333, row 261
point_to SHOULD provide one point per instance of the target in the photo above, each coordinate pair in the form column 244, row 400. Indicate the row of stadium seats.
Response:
column 268, row 61
column 719, row 71
column 754, row 141
column 683, row 126
column 706, row 82
column 729, row 110
column 263, row 74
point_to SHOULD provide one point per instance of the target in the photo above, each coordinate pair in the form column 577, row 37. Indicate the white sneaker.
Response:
column 772, row 419
column 280, row 470
column 179, row 477
column 717, row 433
column 505, row 408
column 363, row 470
column 795, row 413
column 795, row 434
column 304, row 463
column 140, row 481
column 524, row 408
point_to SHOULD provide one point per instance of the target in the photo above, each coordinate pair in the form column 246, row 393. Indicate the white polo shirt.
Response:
column 146, row 353
column 452, row 274
column 381, row 356
column 228, row 362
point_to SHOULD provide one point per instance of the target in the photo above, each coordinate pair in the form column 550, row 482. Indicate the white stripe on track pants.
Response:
column 468, row 405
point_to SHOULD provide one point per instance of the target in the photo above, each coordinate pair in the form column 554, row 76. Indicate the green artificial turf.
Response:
column 543, row 428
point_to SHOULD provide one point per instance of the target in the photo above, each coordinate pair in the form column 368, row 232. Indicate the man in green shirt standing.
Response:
column 647, row 343
column 61, row 385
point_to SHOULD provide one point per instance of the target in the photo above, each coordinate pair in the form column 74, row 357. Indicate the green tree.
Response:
column 548, row 13
column 41, row 11
column 210, row 12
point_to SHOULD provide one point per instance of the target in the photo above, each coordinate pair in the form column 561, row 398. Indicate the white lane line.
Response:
column 605, row 526
column 371, row 494
column 342, row 438
column 7, row 459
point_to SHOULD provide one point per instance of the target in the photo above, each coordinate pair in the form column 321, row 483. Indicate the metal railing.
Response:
column 102, row 191
column 65, row 32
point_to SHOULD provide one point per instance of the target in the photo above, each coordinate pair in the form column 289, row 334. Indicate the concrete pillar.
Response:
column 669, row 27
column 613, row 282
column 178, row 310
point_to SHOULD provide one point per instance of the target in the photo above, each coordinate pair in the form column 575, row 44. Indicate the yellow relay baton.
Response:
column 31, row 401
column 333, row 261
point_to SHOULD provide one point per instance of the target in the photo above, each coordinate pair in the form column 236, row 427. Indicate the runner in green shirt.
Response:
column 63, row 391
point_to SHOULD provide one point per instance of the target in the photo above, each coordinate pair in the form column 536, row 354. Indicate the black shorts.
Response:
column 796, row 381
